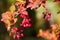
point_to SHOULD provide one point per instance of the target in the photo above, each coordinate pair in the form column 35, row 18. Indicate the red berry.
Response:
column 14, row 36
column 26, row 22
column 48, row 16
column 16, row 29
column 49, row 13
column 21, row 31
column 22, row 34
column 18, row 36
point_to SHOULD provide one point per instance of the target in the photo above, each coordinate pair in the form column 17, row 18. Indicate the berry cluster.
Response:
column 23, row 14
column 20, row 7
column 17, row 33
column 47, row 16
column 26, row 22
column 43, row 3
column 35, row 3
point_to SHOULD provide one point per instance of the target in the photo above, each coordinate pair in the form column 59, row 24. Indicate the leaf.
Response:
column 57, row 20
column 20, row 0
column 12, row 8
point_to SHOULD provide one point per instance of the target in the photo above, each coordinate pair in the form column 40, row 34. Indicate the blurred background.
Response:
column 37, row 19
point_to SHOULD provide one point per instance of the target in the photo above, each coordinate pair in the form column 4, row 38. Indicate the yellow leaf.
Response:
column 58, row 19
column 20, row 0
column 12, row 8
